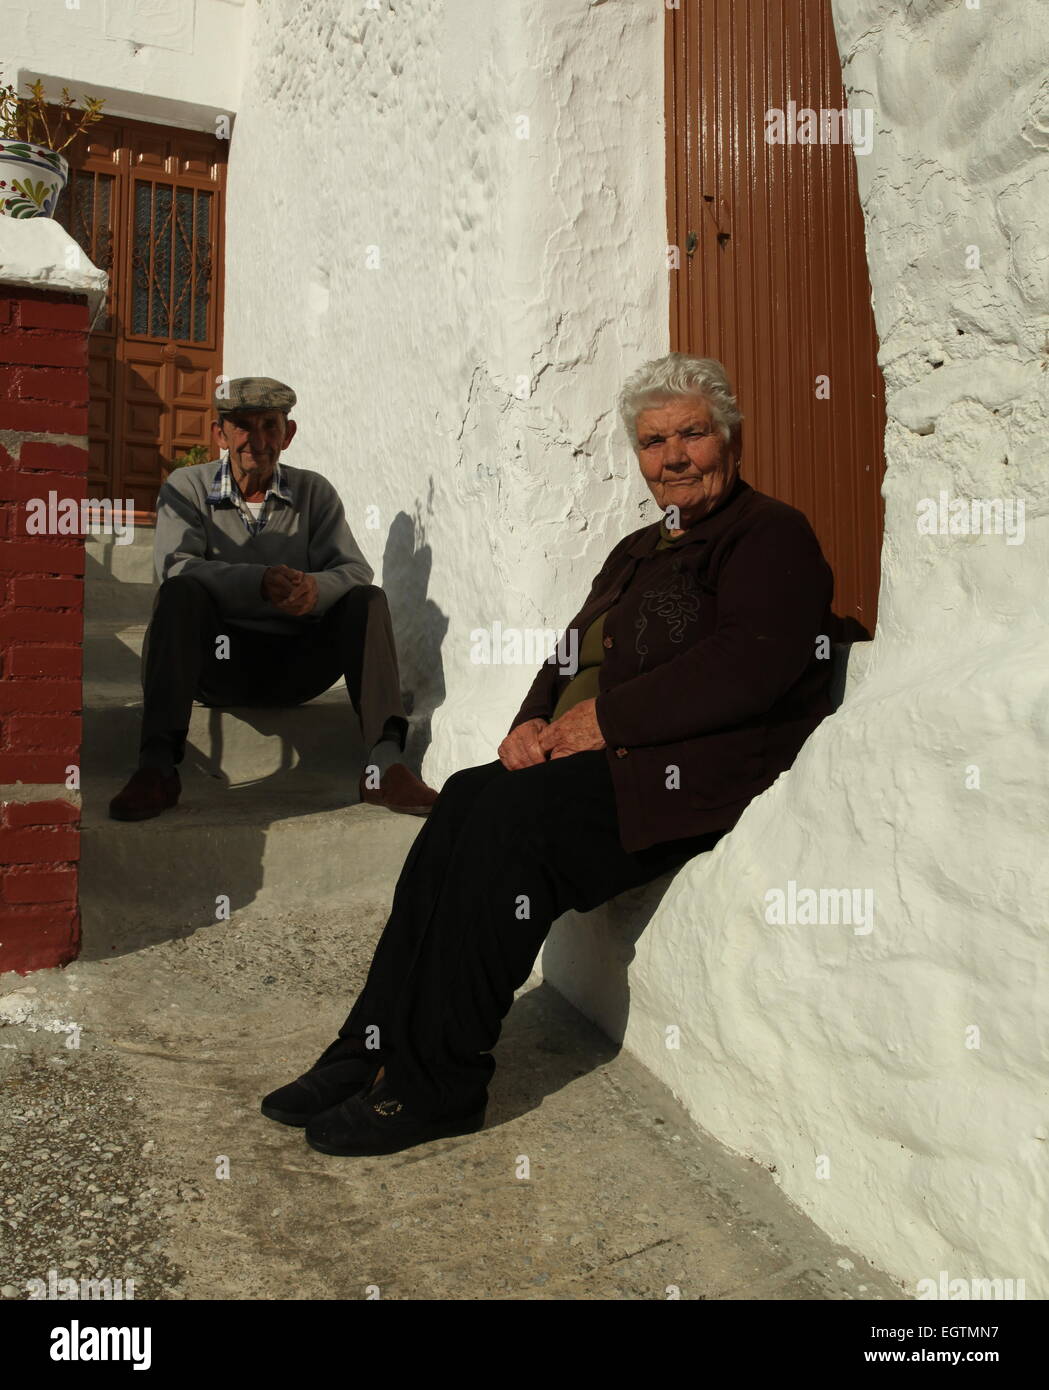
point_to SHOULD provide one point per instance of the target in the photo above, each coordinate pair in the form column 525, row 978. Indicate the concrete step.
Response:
column 131, row 563
column 268, row 807
column 128, row 603
column 119, row 583
column 319, row 741
column 109, row 601
column 272, row 846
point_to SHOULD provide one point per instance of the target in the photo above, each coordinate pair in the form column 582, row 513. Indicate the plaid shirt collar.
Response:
column 225, row 493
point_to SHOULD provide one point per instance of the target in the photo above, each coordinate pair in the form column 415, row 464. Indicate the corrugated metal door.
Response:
column 146, row 204
column 773, row 275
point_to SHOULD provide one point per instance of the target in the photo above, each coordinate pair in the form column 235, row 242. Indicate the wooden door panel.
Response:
column 191, row 397
column 146, row 203
column 774, row 280
column 148, row 152
column 192, row 385
column 194, row 164
column 143, row 420
column 143, row 424
column 100, row 414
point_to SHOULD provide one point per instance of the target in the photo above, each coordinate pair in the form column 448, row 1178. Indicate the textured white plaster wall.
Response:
column 454, row 304
column 173, row 61
column 807, row 1042
column 542, row 259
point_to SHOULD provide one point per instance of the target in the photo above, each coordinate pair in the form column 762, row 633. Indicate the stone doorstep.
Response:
column 237, row 745
column 319, row 742
column 269, row 807
column 127, row 604
column 119, row 586
column 254, row 846
column 111, row 564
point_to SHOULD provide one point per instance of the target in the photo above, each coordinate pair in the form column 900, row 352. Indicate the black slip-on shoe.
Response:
column 319, row 1089
column 376, row 1122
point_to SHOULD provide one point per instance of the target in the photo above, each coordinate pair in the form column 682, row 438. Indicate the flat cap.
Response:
column 252, row 393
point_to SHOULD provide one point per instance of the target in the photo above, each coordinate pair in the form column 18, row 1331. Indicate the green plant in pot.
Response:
column 33, row 135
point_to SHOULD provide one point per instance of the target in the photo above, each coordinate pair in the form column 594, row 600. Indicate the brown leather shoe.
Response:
column 149, row 792
column 399, row 790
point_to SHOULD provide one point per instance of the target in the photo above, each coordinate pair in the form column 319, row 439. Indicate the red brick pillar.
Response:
column 43, row 450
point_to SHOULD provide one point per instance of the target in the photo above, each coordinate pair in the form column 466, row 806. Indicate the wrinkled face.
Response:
column 684, row 459
column 254, row 438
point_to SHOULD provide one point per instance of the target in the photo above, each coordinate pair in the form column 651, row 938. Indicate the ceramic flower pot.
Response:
column 31, row 179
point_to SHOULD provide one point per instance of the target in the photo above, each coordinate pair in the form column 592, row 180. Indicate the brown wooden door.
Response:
column 146, row 203
column 773, row 279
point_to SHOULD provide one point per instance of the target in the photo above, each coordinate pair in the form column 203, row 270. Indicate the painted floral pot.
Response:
column 31, row 179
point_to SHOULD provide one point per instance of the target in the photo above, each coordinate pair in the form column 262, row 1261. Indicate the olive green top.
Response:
column 585, row 684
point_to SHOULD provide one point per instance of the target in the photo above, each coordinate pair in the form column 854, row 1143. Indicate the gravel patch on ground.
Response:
column 82, row 1196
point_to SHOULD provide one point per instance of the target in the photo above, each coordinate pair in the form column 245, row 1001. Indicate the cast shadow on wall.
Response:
column 419, row 626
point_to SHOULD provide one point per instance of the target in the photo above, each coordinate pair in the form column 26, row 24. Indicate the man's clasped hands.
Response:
column 290, row 590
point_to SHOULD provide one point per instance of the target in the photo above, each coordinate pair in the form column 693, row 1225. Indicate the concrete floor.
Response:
column 179, row 1039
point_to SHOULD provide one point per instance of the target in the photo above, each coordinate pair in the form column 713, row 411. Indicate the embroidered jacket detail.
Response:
column 676, row 605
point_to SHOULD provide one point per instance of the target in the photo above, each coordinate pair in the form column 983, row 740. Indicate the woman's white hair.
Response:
column 674, row 376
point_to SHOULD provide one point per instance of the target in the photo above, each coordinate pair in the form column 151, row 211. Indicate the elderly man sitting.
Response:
column 265, row 599
column 700, row 678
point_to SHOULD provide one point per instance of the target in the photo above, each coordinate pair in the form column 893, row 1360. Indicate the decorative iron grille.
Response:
column 171, row 262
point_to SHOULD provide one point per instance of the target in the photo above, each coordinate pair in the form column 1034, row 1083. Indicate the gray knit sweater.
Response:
column 211, row 542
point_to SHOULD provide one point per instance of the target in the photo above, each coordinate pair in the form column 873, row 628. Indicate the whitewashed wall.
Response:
column 506, row 265
column 173, row 61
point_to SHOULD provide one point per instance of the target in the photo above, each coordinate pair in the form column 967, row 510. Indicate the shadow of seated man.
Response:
column 265, row 599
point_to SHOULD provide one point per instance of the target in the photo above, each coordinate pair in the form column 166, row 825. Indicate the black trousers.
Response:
column 183, row 660
column 502, row 855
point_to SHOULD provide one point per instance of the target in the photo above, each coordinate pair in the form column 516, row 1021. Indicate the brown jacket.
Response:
column 711, row 680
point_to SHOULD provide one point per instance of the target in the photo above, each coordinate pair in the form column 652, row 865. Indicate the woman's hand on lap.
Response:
column 521, row 747
column 577, row 731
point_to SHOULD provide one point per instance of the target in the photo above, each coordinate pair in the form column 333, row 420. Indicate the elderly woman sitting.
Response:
column 700, row 678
